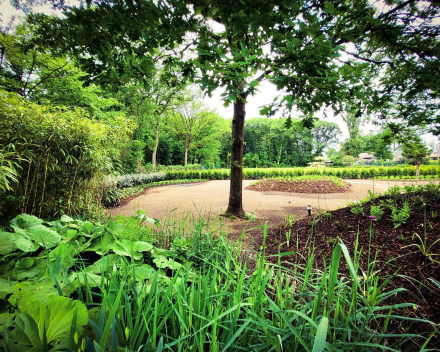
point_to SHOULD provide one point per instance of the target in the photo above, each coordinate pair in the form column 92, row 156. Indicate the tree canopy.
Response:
column 318, row 53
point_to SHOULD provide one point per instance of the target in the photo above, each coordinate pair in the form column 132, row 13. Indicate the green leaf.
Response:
column 80, row 279
column 321, row 336
column 163, row 262
column 28, row 267
column 26, row 334
column 113, row 227
column 6, row 287
column 103, row 264
column 87, row 229
column 132, row 249
column 25, row 244
column 45, row 237
column 141, row 214
column 26, row 291
column 7, row 244
column 296, row 42
column 25, row 221
column 65, row 218
column 53, row 318
column 144, row 272
column 102, row 245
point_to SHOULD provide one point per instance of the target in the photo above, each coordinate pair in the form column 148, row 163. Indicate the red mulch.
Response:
column 322, row 185
column 394, row 257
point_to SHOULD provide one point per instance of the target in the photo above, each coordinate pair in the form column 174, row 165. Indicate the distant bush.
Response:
column 132, row 180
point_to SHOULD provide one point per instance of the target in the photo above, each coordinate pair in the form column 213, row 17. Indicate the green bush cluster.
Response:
column 194, row 295
column 131, row 180
column 57, row 157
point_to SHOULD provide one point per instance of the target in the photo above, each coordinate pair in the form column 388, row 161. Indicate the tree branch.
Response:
column 369, row 60
column 397, row 8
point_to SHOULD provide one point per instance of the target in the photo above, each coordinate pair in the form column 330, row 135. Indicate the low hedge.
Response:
column 393, row 172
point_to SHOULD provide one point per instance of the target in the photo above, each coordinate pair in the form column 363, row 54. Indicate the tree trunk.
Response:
column 417, row 171
column 156, row 145
column 235, row 206
column 186, row 154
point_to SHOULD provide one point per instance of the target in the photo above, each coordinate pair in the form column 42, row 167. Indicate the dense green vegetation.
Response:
column 105, row 100
column 180, row 286
column 59, row 157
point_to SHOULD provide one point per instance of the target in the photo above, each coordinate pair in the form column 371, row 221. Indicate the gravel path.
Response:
column 212, row 197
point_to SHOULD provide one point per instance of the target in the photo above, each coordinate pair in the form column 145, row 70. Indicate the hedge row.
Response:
column 347, row 173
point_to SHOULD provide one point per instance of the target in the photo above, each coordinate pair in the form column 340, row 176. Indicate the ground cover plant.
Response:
column 74, row 285
column 398, row 238
column 302, row 184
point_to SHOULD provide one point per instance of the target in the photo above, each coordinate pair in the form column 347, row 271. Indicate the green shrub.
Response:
column 63, row 154
column 132, row 156
column 132, row 180
column 400, row 216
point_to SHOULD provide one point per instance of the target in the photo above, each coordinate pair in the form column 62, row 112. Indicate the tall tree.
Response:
column 148, row 104
column 294, row 44
column 194, row 124
column 24, row 69
column 414, row 151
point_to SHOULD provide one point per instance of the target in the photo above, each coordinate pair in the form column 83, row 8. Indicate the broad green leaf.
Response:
column 26, row 291
column 87, row 229
column 26, row 334
column 45, row 237
column 102, row 244
column 70, row 234
column 28, row 267
column 53, row 317
column 25, row 221
column 7, row 244
column 80, row 279
column 144, row 272
column 163, row 262
column 63, row 255
column 25, row 244
column 113, row 227
column 6, row 319
column 103, row 264
column 132, row 249
column 6, row 287
column 65, row 218
column 141, row 214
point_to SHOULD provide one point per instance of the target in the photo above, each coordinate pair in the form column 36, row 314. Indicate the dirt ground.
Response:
column 211, row 197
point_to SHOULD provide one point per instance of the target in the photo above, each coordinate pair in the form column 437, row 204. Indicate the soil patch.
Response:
column 398, row 256
column 302, row 185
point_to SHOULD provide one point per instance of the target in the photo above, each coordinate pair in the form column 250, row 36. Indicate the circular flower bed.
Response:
column 305, row 184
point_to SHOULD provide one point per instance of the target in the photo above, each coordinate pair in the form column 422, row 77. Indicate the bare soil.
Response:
column 394, row 250
column 322, row 185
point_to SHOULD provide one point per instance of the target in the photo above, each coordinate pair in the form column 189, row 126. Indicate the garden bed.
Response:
column 401, row 241
column 305, row 184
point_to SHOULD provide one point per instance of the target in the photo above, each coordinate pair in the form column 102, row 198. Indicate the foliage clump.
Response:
column 59, row 157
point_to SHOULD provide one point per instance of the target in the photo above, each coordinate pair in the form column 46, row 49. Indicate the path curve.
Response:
column 212, row 197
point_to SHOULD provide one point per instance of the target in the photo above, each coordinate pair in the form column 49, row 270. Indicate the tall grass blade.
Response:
column 321, row 336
